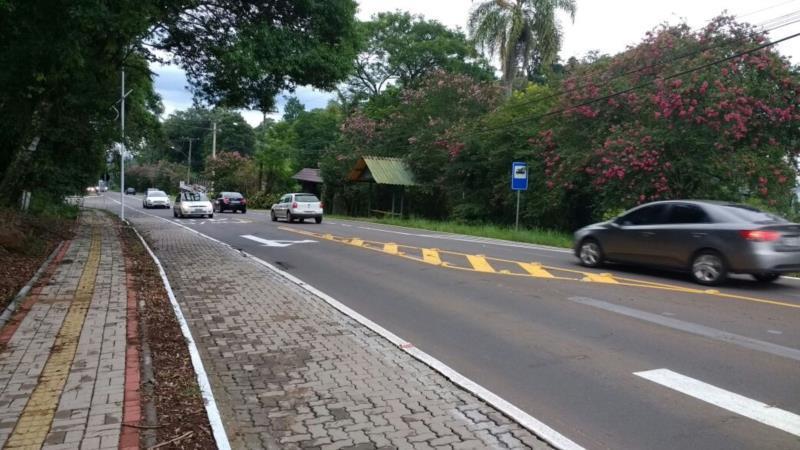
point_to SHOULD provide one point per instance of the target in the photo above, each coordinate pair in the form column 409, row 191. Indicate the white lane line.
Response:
column 753, row 409
column 527, row 421
column 693, row 328
column 476, row 240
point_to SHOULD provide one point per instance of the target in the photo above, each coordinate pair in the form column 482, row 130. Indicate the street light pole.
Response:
column 189, row 167
column 122, row 151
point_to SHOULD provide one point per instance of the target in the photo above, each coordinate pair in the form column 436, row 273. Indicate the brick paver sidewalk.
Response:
column 63, row 360
column 290, row 371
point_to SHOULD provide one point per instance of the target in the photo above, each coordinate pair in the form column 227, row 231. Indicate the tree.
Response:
column 314, row 132
column 399, row 47
column 519, row 31
column 292, row 109
column 729, row 130
column 62, row 62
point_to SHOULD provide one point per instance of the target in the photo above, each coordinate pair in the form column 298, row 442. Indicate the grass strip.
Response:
column 528, row 235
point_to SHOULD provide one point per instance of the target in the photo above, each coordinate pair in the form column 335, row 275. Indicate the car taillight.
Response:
column 244, row 201
column 321, row 205
column 294, row 205
column 760, row 235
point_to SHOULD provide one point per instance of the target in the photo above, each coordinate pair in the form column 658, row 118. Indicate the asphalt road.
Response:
column 619, row 358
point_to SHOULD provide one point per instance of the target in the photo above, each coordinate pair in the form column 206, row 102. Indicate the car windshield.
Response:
column 231, row 195
column 306, row 198
column 194, row 197
column 752, row 215
column 157, row 194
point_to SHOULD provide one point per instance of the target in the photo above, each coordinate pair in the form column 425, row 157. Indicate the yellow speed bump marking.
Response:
column 37, row 416
column 356, row 242
column 431, row 256
column 600, row 278
column 536, row 270
column 481, row 263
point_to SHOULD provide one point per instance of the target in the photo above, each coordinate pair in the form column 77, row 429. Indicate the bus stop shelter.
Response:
column 383, row 171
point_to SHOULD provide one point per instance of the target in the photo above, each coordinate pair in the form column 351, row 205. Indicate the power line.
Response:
column 636, row 87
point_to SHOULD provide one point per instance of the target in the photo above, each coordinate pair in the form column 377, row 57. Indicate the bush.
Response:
column 262, row 200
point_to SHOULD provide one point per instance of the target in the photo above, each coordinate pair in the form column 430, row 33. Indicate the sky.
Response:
column 606, row 26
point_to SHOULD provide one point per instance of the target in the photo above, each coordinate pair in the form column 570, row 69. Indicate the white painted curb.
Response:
column 527, row 421
column 214, row 417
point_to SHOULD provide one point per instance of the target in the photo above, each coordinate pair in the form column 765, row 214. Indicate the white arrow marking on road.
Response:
column 276, row 242
column 753, row 409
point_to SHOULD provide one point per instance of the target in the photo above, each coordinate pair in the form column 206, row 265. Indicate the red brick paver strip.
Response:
column 62, row 374
column 290, row 371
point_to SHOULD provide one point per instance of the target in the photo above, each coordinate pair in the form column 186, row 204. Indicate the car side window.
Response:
column 680, row 213
column 648, row 215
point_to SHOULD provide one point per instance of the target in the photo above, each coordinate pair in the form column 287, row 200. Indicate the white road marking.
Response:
column 774, row 332
column 276, row 242
column 689, row 327
column 527, row 421
column 753, row 409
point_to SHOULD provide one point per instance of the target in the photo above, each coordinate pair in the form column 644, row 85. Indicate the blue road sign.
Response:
column 519, row 176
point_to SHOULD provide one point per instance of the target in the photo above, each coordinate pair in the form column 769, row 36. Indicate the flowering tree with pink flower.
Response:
column 728, row 131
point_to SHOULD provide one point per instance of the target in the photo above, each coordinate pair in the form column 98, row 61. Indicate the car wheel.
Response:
column 273, row 216
column 590, row 253
column 766, row 277
column 709, row 268
column 289, row 217
column 174, row 214
column 244, row 211
column 318, row 219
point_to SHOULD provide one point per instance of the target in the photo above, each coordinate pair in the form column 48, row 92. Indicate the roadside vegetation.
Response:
column 27, row 239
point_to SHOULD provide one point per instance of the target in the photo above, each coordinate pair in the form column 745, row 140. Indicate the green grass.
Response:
column 529, row 235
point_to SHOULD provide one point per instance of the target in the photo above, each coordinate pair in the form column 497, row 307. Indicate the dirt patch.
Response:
column 181, row 414
column 25, row 243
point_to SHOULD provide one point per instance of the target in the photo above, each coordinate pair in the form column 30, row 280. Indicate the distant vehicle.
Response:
column 297, row 206
column 230, row 201
column 189, row 203
column 130, row 191
column 91, row 190
column 152, row 189
column 155, row 199
column 707, row 239
column 102, row 186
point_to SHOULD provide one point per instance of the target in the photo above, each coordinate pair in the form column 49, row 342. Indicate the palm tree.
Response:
column 517, row 31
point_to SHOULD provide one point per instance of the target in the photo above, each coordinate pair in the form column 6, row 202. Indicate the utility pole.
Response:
column 214, row 139
column 189, row 167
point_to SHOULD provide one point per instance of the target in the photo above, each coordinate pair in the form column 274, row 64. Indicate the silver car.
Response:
column 707, row 239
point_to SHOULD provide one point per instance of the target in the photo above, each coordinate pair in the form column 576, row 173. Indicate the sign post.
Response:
column 519, row 182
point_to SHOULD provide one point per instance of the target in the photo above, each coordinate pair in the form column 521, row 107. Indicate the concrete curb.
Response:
column 12, row 306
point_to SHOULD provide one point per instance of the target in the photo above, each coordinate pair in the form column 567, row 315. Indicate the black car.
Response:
column 130, row 191
column 705, row 238
column 230, row 201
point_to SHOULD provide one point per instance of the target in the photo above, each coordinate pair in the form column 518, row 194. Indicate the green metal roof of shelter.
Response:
column 382, row 171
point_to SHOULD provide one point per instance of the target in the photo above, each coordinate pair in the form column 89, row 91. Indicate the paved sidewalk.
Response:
column 290, row 371
column 63, row 359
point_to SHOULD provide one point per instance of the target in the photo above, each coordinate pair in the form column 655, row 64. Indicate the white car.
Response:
column 297, row 206
column 189, row 204
column 155, row 199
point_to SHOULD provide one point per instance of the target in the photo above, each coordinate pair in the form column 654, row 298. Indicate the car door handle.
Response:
column 648, row 233
column 699, row 235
